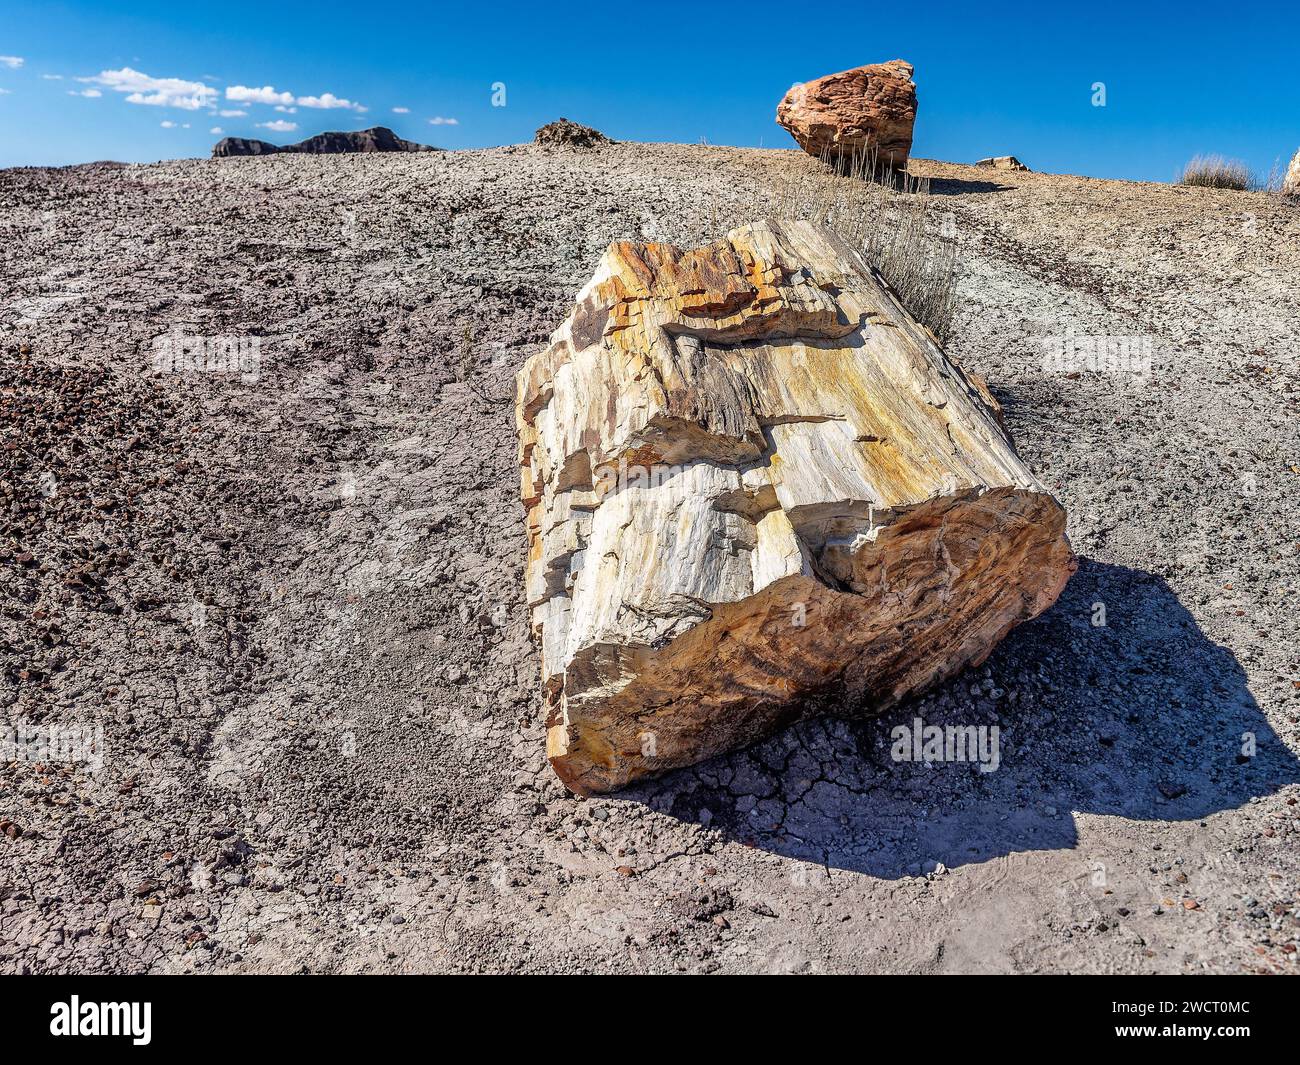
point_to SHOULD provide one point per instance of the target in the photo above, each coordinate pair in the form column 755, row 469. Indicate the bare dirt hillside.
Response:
column 289, row 592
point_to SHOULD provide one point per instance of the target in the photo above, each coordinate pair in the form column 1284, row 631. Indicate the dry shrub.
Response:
column 1275, row 184
column 890, row 217
column 1216, row 172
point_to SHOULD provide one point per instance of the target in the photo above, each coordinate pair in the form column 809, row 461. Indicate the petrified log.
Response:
column 1002, row 162
column 752, row 477
column 854, row 116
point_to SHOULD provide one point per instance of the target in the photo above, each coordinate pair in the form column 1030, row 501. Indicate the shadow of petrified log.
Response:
column 1144, row 718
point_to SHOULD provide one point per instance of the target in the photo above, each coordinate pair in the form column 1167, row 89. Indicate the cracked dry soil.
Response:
column 292, row 599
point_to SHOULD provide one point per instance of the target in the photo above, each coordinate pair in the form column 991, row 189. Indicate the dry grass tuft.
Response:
column 1216, row 172
column 890, row 217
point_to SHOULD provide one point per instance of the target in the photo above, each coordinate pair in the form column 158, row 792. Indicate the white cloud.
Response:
column 438, row 120
column 287, row 110
column 328, row 101
column 6, row 92
column 51, row 77
column 279, row 126
column 216, row 129
column 156, row 92
column 89, row 94
column 401, row 110
column 13, row 62
column 242, row 94
column 232, row 114
column 285, row 101
column 167, row 124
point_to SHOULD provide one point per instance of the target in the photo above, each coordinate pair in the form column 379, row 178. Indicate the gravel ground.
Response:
column 288, row 595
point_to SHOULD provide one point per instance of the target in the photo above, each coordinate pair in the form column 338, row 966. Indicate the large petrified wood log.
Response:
column 752, row 477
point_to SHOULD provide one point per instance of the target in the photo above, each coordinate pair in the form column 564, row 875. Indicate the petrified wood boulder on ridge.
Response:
column 1291, row 182
column 1003, row 162
column 752, row 477
column 859, row 114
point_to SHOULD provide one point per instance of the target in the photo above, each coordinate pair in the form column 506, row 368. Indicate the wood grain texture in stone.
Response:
column 751, row 478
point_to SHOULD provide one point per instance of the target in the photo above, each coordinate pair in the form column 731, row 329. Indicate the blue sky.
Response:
column 992, row 78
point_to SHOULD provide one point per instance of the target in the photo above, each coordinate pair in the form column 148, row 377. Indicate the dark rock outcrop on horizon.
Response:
column 375, row 139
column 228, row 146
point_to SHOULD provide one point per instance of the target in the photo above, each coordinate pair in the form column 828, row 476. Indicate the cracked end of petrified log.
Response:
column 751, row 478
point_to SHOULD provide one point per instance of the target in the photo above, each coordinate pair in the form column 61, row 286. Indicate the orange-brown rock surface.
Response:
column 751, row 477
column 1002, row 162
column 1291, row 183
column 864, row 112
